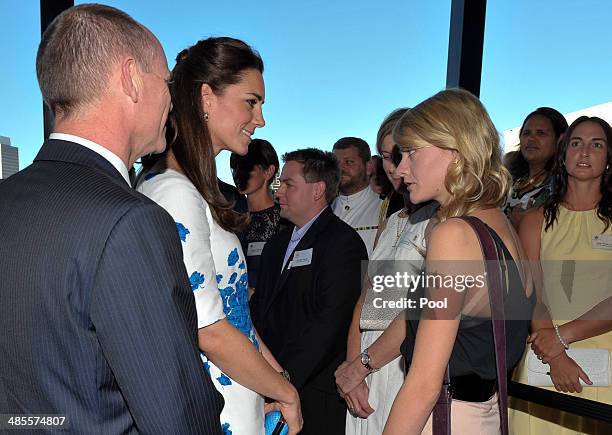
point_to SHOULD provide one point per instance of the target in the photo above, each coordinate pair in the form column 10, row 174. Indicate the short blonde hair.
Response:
column 78, row 49
column 456, row 120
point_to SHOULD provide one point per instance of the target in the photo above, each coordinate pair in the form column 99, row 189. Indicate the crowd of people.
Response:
column 367, row 295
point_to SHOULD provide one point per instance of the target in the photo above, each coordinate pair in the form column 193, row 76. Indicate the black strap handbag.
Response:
column 442, row 410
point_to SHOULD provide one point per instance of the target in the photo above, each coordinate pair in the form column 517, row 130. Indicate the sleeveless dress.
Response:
column 474, row 353
column 264, row 225
column 392, row 203
column 218, row 275
column 402, row 239
column 577, row 276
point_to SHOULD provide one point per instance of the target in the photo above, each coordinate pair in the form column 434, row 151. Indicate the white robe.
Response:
column 360, row 210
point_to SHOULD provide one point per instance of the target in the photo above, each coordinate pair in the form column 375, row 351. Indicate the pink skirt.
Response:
column 473, row 418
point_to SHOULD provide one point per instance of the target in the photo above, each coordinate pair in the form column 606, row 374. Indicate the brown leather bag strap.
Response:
column 496, row 301
column 442, row 410
column 441, row 424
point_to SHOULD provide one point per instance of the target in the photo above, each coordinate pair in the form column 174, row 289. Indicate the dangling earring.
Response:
column 205, row 116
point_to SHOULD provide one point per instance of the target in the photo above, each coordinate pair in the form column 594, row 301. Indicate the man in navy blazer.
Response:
column 98, row 320
column 309, row 281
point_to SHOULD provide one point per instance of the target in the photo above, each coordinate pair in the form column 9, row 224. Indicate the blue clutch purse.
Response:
column 275, row 424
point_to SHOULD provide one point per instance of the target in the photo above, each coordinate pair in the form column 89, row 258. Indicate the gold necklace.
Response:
column 536, row 176
column 523, row 184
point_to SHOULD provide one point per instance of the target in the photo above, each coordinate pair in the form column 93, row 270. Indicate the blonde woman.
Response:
column 450, row 154
column 399, row 247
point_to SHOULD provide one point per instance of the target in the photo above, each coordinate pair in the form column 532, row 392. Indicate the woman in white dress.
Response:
column 217, row 92
column 400, row 244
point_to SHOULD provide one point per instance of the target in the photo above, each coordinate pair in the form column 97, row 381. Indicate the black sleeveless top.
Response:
column 473, row 351
column 264, row 225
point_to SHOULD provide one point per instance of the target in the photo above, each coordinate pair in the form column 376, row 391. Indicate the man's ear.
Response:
column 319, row 190
column 208, row 98
column 131, row 79
column 369, row 168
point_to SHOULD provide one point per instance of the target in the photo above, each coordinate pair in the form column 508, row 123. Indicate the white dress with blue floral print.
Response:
column 217, row 272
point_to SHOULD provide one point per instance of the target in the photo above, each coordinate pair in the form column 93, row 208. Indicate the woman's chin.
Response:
column 239, row 151
column 414, row 198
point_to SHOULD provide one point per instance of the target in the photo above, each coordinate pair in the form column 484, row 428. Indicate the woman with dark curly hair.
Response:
column 571, row 235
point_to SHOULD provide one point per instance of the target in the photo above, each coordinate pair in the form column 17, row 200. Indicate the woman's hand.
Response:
column 292, row 413
column 545, row 344
column 349, row 375
column 566, row 374
column 357, row 401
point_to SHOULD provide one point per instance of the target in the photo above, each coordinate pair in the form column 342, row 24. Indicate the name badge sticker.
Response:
column 301, row 258
column 602, row 241
column 255, row 248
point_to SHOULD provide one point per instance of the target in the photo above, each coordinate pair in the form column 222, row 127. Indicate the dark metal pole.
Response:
column 465, row 44
column 49, row 9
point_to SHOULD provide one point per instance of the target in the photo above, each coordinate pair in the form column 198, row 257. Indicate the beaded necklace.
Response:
column 524, row 184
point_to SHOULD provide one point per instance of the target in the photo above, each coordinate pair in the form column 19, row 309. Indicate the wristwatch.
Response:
column 365, row 361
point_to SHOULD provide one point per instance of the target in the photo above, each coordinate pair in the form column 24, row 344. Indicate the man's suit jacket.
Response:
column 303, row 314
column 98, row 320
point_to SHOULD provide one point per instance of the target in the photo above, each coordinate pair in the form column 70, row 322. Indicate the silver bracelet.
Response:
column 563, row 342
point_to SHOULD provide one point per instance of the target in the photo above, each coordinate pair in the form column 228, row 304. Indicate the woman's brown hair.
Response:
column 218, row 62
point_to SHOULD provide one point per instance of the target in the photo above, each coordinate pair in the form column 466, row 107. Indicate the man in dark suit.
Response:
column 97, row 314
column 308, row 283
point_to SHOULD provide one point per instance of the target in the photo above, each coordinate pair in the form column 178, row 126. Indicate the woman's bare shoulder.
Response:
column 453, row 239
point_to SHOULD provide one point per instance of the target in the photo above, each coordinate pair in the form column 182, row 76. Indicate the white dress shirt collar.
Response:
column 112, row 158
column 297, row 235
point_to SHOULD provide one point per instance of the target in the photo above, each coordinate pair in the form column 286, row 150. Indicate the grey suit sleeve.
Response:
column 144, row 318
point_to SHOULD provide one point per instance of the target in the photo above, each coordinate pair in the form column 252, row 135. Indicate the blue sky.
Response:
column 335, row 69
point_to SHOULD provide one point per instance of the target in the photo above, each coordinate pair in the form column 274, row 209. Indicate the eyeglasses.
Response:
column 412, row 151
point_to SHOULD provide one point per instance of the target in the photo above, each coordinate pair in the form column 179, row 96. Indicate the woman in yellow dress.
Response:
column 571, row 236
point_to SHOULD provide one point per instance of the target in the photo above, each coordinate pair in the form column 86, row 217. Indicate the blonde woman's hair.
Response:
column 456, row 120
